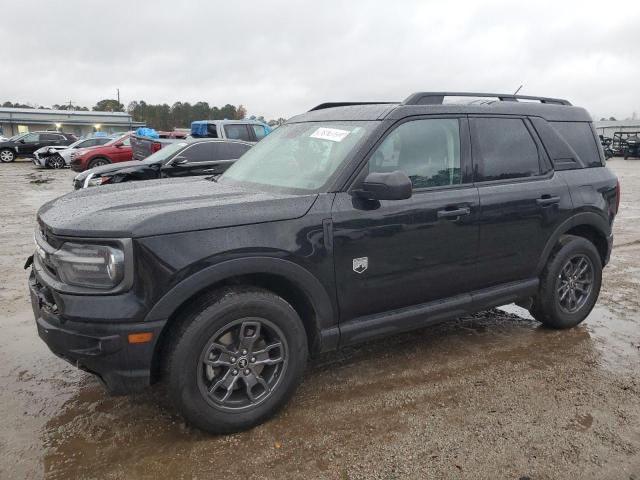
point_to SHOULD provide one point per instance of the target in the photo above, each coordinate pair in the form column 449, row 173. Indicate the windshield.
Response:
column 165, row 153
column 299, row 156
column 75, row 144
column 17, row 137
column 121, row 138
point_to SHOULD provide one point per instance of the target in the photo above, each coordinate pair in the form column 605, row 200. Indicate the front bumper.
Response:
column 101, row 348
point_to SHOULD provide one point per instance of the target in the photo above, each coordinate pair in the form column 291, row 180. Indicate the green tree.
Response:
column 108, row 105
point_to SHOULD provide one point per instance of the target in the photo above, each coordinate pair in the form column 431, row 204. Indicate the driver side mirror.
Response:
column 178, row 161
column 21, row 140
column 385, row 186
column 118, row 144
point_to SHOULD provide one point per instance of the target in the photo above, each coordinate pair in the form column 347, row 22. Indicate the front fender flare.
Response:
column 308, row 283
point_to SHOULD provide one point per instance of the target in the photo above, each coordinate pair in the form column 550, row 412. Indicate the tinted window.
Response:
column 580, row 137
column 48, row 137
column 228, row 151
column 31, row 138
column 200, row 152
column 236, row 150
column 260, row 131
column 428, row 151
column 503, row 148
column 237, row 132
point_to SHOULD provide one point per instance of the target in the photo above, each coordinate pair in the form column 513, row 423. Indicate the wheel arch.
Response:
column 293, row 283
column 588, row 225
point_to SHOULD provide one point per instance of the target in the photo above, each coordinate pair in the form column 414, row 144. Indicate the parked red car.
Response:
column 117, row 150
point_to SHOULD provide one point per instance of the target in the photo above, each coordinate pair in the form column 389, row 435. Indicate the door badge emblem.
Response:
column 360, row 264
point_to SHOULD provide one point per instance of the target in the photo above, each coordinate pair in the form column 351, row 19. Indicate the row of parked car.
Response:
column 209, row 149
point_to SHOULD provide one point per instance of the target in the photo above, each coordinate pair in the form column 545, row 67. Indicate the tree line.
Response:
column 162, row 116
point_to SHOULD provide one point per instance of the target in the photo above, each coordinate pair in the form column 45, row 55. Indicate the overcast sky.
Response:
column 280, row 58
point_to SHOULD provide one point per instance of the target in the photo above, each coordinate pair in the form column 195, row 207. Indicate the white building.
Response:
column 607, row 128
column 20, row 120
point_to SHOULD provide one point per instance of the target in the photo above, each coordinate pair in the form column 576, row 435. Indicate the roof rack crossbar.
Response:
column 437, row 98
column 322, row 106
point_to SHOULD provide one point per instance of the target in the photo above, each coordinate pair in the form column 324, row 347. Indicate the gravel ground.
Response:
column 491, row 395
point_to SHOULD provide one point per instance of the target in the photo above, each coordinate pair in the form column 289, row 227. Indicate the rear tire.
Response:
column 569, row 285
column 224, row 369
column 98, row 162
column 7, row 155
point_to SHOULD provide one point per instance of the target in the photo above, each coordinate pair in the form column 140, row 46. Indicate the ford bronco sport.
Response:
column 350, row 222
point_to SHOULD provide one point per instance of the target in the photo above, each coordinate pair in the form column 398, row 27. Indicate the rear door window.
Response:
column 237, row 132
column 581, row 139
column 503, row 148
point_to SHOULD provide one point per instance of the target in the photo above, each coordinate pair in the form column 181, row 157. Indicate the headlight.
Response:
column 88, row 265
column 95, row 181
column 52, row 150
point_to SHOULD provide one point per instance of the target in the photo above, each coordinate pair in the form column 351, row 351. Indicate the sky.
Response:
column 280, row 58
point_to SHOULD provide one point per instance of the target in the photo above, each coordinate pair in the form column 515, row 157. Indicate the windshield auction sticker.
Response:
column 333, row 134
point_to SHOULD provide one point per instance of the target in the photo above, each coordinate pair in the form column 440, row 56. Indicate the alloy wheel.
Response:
column 56, row 162
column 242, row 364
column 575, row 283
column 7, row 156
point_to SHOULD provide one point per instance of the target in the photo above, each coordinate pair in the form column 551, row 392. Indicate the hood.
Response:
column 58, row 148
column 140, row 209
column 109, row 168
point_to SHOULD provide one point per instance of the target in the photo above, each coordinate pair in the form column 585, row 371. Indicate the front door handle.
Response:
column 210, row 171
column 547, row 200
column 454, row 213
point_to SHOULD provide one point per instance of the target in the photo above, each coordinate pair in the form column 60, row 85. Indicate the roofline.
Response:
column 19, row 121
column 48, row 111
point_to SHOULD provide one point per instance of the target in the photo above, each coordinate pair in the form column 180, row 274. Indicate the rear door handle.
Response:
column 547, row 200
column 454, row 213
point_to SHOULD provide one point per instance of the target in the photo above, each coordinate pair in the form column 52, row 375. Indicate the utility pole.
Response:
column 118, row 95
column 70, row 105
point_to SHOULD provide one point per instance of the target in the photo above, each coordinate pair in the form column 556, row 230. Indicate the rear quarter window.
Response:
column 581, row 139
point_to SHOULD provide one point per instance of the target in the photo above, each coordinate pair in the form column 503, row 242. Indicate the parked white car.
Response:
column 59, row 156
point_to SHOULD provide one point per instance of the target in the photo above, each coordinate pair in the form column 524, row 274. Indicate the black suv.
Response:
column 351, row 221
column 24, row 145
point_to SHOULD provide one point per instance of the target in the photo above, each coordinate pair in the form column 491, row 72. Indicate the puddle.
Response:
column 616, row 335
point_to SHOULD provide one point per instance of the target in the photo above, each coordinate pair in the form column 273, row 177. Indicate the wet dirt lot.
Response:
column 492, row 395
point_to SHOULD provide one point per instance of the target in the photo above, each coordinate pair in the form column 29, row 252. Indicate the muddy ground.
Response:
column 489, row 396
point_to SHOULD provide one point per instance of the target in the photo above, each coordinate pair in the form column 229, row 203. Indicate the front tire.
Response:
column 55, row 161
column 236, row 359
column 7, row 155
column 569, row 285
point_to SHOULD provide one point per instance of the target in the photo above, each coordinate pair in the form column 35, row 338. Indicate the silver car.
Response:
column 59, row 156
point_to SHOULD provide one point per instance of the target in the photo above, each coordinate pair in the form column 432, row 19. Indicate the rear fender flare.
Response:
column 584, row 218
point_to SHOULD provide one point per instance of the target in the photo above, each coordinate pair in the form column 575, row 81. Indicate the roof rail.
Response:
column 437, row 98
column 322, row 106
